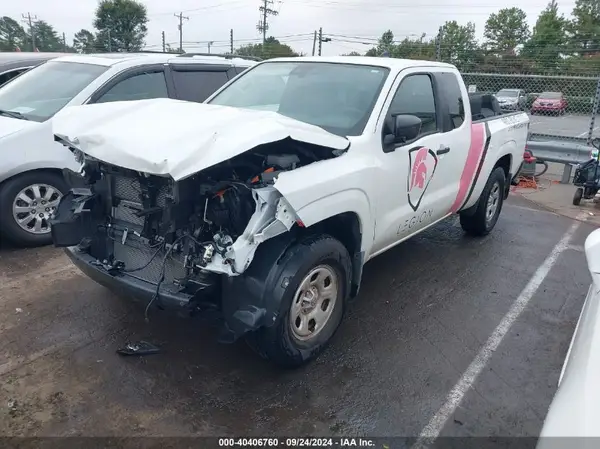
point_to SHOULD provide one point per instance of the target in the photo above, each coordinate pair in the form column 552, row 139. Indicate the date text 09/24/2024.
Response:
column 296, row 442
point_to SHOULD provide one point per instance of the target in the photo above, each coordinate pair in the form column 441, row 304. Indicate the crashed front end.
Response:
column 171, row 242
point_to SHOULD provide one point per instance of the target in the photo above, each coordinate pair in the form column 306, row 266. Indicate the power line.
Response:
column 180, row 16
column 266, row 11
column 30, row 21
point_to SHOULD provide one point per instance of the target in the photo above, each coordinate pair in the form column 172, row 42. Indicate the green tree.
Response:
column 121, row 25
column 548, row 39
column 84, row 41
column 352, row 53
column 385, row 44
column 46, row 37
column 585, row 26
column 414, row 49
column 12, row 34
column 458, row 45
column 272, row 49
column 505, row 30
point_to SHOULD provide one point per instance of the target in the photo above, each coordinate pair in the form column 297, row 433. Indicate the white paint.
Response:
column 584, row 134
column 458, row 392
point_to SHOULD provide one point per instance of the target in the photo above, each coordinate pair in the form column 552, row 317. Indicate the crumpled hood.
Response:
column 178, row 138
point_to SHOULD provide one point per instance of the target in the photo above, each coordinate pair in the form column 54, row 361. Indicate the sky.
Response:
column 351, row 24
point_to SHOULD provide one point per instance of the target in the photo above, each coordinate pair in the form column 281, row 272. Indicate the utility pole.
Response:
column 180, row 16
column 64, row 43
column 314, row 43
column 109, row 41
column 322, row 39
column 30, row 21
column 209, row 43
column 231, row 40
column 164, row 45
column 266, row 11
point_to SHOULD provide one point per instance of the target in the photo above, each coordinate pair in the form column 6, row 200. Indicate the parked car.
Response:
column 12, row 64
column 31, row 181
column 512, row 99
column 263, row 205
column 550, row 103
column 574, row 409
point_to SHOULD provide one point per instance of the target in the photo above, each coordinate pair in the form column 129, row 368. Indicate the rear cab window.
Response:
column 197, row 83
column 450, row 88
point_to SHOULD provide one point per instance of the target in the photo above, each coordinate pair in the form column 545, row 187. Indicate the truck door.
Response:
column 421, row 174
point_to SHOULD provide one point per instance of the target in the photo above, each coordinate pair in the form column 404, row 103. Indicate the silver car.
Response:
column 512, row 99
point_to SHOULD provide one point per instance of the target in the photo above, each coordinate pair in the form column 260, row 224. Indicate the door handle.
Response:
column 443, row 150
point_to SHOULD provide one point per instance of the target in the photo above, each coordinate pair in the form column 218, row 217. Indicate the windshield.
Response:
column 508, row 93
column 337, row 97
column 41, row 92
column 551, row 95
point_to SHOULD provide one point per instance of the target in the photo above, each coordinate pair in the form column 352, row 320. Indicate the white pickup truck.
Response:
column 263, row 204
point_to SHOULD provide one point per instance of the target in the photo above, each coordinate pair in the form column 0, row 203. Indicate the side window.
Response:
column 141, row 86
column 415, row 97
column 197, row 86
column 449, row 87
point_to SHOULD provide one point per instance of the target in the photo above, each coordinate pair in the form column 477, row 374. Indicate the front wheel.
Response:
column 27, row 202
column 313, row 303
column 487, row 209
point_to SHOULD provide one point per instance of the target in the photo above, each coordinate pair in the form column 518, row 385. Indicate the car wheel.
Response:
column 27, row 202
column 577, row 197
column 487, row 210
column 313, row 303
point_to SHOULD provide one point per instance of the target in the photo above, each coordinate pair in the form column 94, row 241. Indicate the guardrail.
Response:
column 569, row 151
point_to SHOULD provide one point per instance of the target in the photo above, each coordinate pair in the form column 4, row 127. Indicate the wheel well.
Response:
column 346, row 228
column 505, row 162
column 55, row 171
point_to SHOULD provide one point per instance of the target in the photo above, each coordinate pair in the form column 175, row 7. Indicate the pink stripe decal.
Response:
column 475, row 152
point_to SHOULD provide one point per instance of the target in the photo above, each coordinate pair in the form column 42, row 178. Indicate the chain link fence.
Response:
column 563, row 104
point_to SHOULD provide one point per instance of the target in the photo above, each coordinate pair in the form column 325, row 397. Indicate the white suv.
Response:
column 31, row 162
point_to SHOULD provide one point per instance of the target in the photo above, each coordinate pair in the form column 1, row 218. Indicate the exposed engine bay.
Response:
column 183, row 233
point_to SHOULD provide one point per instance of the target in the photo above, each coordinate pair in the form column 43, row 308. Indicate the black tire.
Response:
column 476, row 222
column 9, row 229
column 577, row 197
column 277, row 343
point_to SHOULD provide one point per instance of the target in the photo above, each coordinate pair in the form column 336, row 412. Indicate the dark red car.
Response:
column 549, row 102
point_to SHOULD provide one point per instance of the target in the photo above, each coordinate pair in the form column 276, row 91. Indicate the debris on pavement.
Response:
column 18, row 310
column 138, row 348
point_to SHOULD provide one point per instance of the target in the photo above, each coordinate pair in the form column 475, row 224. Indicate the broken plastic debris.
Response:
column 18, row 310
column 138, row 348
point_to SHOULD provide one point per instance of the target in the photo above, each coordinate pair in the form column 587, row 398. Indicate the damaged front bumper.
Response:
column 128, row 285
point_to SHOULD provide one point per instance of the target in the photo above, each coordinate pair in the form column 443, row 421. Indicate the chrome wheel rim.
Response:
column 313, row 302
column 493, row 202
column 34, row 205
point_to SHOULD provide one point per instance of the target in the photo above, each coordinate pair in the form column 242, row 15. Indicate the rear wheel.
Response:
column 487, row 210
column 27, row 202
column 313, row 303
column 577, row 197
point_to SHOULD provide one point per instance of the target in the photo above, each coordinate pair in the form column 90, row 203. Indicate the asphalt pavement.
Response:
column 444, row 339
column 568, row 125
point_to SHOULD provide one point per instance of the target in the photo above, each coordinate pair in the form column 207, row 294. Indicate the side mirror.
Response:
column 406, row 127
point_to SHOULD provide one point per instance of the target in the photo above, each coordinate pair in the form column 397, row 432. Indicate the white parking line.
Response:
column 455, row 396
column 587, row 132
